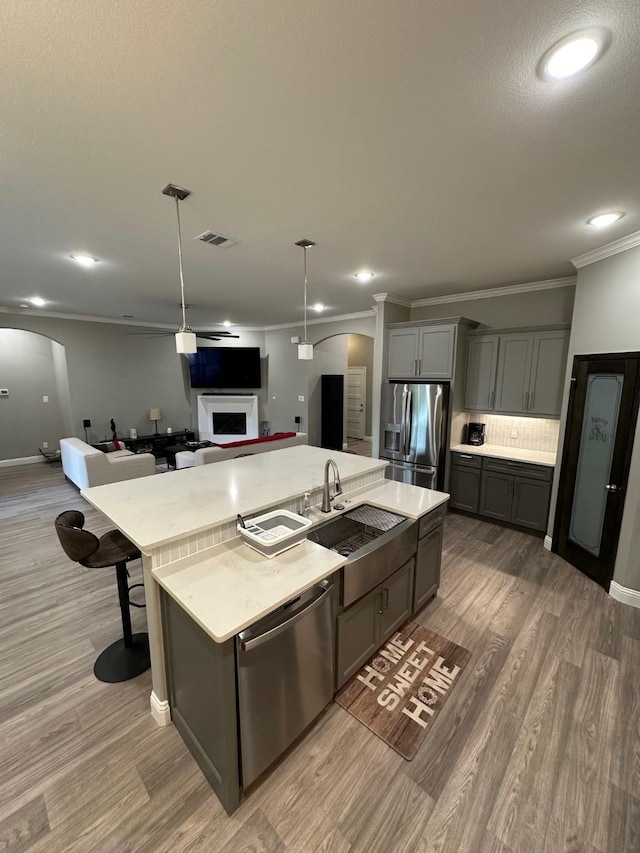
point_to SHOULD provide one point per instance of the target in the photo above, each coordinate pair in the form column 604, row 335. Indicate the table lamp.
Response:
column 155, row 415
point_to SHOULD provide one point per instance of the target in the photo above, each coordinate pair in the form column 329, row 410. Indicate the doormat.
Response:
column 399, row 693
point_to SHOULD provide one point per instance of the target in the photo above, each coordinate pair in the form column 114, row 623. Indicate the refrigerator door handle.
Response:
column 407, row 424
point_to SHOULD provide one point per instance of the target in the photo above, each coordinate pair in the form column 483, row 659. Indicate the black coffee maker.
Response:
column 475, row 433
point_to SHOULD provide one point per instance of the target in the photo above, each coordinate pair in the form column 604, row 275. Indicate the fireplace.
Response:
column 227, row 417
column 230, row 423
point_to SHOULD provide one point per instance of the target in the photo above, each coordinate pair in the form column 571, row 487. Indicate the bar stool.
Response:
column 129, row 656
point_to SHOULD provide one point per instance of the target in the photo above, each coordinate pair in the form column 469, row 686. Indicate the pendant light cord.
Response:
column 305, row 294
column 184, row 326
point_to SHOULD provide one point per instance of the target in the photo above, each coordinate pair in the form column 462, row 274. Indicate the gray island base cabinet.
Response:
column 202, row 674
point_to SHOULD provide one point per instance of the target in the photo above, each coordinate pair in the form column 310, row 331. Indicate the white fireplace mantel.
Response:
column 246, row 404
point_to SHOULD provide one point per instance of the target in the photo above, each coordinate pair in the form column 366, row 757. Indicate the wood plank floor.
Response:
column 536, row 751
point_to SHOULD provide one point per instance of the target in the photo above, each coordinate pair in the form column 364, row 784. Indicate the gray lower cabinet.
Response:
column 516, row 497
column 501, row 489
column 367, row 624
column 465, row 487
column 428, row 563
column 202, row 694
column 495, row 495
column 357, row 634
column 397, row 600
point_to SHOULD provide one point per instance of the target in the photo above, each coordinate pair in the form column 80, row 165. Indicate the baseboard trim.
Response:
column 345, row 446
column 368, row 438
column 548, row 542
column 20, row 460
column 624, row 594
column 160, row 710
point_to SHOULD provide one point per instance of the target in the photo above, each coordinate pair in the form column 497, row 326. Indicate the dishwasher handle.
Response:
column 316, row 601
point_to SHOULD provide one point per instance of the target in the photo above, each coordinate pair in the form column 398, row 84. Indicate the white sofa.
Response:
column 206, row 455
column 86, row 466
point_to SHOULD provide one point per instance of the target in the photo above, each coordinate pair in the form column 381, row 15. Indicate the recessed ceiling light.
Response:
column 318, row 306
column 24, row 305
column 128, row 316
column 226, row 324
column 38, row 301
column 604, row 219
column 573, row 53
column 84, row 260
column 364, row 277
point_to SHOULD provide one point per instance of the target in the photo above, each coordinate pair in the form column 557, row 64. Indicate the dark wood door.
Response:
column 603, row 407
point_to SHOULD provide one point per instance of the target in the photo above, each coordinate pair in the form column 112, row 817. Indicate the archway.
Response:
column 35, row 410
column 335, row 354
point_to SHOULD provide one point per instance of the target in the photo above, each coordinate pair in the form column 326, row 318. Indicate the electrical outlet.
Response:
column 45, row 444
column 514, row 433
column 45, row 399
column 301, row 398
column 4, row 392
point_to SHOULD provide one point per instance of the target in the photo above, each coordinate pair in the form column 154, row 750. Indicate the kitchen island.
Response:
column 197, row 570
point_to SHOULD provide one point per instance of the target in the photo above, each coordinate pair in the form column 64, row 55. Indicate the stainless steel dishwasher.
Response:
column 285, row 677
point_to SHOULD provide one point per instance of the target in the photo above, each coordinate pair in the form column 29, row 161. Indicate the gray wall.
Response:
column 535, row 308
column 605, row 319
column 28, row 371
column 361, row 355
column 112, row 373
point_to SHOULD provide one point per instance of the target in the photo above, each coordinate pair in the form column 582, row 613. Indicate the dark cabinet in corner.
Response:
column 505, row 490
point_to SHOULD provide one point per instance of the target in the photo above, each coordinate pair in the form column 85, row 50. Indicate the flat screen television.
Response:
column 225, row 367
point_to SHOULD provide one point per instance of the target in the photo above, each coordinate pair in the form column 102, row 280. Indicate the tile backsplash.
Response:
column 530, row 433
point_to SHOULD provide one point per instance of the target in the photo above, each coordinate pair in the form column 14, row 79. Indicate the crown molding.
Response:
column 548, row 284
column 392, row 297
column 606, row 251
column 358, row 315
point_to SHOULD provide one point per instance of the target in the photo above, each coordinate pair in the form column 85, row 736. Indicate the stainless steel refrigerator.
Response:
column 413, row 426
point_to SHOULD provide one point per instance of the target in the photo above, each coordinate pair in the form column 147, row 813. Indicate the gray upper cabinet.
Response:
column 514, row 369
column 548, row 368
column 482, row 362
column 517, row 372
column 425, row 352
column 403, row 353
column 436, row 346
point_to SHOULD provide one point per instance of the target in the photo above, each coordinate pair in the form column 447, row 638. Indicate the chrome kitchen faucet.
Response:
column 327, row 497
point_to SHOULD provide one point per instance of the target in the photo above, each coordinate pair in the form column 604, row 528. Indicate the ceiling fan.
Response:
column 207, row 336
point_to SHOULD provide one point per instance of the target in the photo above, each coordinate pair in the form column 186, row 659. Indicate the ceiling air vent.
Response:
column 214, row 239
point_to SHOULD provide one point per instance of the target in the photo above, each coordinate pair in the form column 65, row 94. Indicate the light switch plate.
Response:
column 4, row 392
column 514, row 433
column 301, row 398
column 45, row 399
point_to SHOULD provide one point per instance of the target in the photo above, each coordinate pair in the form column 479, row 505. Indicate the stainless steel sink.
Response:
column 376, row 543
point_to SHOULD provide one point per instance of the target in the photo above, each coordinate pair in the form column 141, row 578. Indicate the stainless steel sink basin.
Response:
column 376, row 543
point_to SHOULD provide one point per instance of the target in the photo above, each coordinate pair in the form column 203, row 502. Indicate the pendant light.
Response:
column 305, row 349
column 185, row 337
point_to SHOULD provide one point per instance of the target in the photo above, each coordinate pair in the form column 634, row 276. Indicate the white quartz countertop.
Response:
column 516, row 454
column 155, row 510
column 412, row 501
column 228, row 588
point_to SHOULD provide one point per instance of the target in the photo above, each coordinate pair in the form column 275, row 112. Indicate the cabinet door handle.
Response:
column 491, row 395
column 415, row 366
column 530, row 400
column 419, row 366
column 385, row 601
column 380, row 608
column 466, row 456
column 524, row 401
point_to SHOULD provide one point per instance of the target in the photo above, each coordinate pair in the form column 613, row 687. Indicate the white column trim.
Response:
column 160, row 710
column 548, row 542
column 624, row 594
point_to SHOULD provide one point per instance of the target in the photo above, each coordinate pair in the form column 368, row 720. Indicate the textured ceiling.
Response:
column 410, row 137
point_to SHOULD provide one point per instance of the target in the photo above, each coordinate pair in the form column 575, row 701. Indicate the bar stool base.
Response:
column 121, row 663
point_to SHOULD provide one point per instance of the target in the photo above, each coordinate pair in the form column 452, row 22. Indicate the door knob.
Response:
column 611, row 488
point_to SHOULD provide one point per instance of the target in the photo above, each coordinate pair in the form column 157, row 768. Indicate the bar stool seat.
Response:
column 128, row 657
